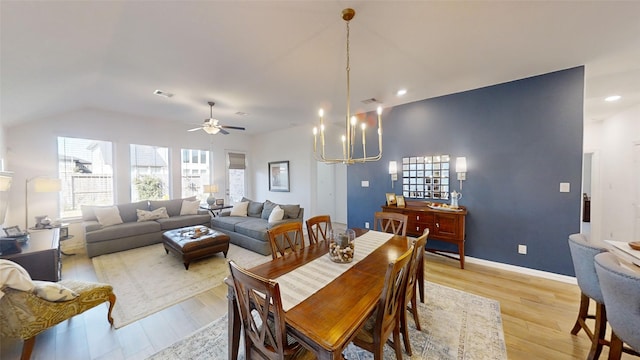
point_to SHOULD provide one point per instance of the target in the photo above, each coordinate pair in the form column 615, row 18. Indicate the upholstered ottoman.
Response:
column 185, row 244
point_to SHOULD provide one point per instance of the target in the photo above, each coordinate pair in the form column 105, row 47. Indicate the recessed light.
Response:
column 163, row 93
column 241, row 113
column 401, row 92
column 612, row 98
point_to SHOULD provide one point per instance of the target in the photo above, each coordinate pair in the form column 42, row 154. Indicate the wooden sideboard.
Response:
column 40, row 255
column 443, row 225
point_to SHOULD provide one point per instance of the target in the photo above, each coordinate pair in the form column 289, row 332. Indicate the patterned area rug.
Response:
column 147, row 279
column 455, row 325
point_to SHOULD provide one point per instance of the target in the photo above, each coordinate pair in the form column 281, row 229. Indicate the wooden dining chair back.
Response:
column 285, row 238
column 390, row 222
column 411, row 295
column 260, row 307
column 319, row 228
column 386, row 319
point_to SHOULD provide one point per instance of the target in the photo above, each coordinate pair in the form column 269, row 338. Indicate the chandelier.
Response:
column 351, row 122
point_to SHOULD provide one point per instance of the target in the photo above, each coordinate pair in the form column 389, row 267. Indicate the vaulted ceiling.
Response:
column 280, row 61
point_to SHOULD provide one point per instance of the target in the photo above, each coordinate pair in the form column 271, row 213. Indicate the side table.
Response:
column 215, row 210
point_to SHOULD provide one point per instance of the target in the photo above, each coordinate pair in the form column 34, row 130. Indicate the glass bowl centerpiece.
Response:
column 341, row 245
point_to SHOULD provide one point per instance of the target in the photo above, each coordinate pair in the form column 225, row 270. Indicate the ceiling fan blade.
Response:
column 232, row 127
column 223, row 131
column 194, row 129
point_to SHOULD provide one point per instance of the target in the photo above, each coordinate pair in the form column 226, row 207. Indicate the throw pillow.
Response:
column 240, row 209
column 108, row 216
column 267, row 208
column 276, row 214
column 14, row 276
column 51, row 291
column 291, row 211
column 159, row 213
column 189, row 207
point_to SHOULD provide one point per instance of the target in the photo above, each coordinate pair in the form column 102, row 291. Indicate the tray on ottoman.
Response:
column 189, row 245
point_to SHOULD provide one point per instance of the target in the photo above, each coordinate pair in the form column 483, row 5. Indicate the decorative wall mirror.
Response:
column 425, row 177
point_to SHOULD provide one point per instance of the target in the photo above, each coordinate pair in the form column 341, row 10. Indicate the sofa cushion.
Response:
column 189, row 207
column 277, row 214
column 122, row 230
column 108, row 216
column 254, row 228
column 129, row 212
column 173, row 206
column 240, row 209
column 267, row 208
column 228, row 222
column 254, row 209
column 176, row 222
column 290, row 211
column 159, row 213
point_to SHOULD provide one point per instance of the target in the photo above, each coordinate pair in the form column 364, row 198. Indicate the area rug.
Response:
column 455, row 325
column 147, row 279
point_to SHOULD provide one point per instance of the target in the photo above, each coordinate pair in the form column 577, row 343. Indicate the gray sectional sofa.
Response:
column 250, row 232
column 131, row 233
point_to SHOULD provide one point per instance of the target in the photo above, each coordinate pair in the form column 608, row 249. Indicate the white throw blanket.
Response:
column 14, row 276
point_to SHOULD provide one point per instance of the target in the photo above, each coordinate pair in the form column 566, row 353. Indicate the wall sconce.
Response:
column 211, row 189
column 461, row 169
column 393, row 171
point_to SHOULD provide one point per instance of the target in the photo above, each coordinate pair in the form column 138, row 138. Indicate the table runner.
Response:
column 299, row 284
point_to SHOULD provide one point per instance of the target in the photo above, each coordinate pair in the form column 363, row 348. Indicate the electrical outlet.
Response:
column 366, row 225
column 522, row 249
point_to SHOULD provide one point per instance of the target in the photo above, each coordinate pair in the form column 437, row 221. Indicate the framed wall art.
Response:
column 425, row 177
column 279, row 176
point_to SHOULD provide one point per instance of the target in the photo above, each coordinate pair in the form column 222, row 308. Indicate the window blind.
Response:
column 236, row 161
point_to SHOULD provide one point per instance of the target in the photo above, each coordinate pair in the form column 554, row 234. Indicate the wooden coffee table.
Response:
column 182, row 242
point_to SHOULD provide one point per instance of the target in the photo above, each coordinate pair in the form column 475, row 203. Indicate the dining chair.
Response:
column 319, row 228
column 417, row 256
column 285, row 237
column 260, row 304
column 621, row 290
column 583, row 251
column 386, row 318
column 390, row 222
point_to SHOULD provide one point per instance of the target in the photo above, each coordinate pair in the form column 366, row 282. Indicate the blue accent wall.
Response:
column 521, row 139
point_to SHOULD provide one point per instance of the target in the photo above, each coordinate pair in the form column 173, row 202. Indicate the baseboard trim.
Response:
column 517, row 269
column 523, row 270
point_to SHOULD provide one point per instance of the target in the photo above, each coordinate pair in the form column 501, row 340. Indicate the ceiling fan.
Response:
column 212, row 126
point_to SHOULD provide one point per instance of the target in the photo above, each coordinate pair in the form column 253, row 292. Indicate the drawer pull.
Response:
column 438, row 225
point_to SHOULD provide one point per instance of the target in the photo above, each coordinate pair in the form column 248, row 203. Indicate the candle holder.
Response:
column 341, row 246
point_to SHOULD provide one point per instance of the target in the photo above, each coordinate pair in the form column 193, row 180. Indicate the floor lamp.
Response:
column 40, row 185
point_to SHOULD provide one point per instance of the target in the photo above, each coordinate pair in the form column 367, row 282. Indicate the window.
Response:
column 149, row 172
column 236, row 176
column 195, row 172
column 85, row 168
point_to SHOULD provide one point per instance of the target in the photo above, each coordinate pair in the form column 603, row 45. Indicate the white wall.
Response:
column 295, row 144
column 613, row 140
column 32, row 151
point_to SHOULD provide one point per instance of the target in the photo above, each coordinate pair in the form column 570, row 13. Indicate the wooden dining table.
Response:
column 328, row 320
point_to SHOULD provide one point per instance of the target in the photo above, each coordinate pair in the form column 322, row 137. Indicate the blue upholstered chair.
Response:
column 583, row 251
column 621, row 290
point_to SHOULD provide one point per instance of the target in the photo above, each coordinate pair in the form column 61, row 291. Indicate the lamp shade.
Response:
column 461, row 164
column 211, row 188
column 5, row 182
column 393, row 167
column 43, row 185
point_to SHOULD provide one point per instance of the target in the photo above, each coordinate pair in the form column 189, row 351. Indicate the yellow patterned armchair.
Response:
column 24, row 315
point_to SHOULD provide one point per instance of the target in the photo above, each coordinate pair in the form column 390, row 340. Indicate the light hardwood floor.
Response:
column 537, row 316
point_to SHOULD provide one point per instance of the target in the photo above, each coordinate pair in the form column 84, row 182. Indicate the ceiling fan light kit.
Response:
column 348, row 138
column 212, row 126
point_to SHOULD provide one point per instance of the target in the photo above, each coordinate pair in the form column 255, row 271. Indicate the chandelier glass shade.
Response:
column 351, row 124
